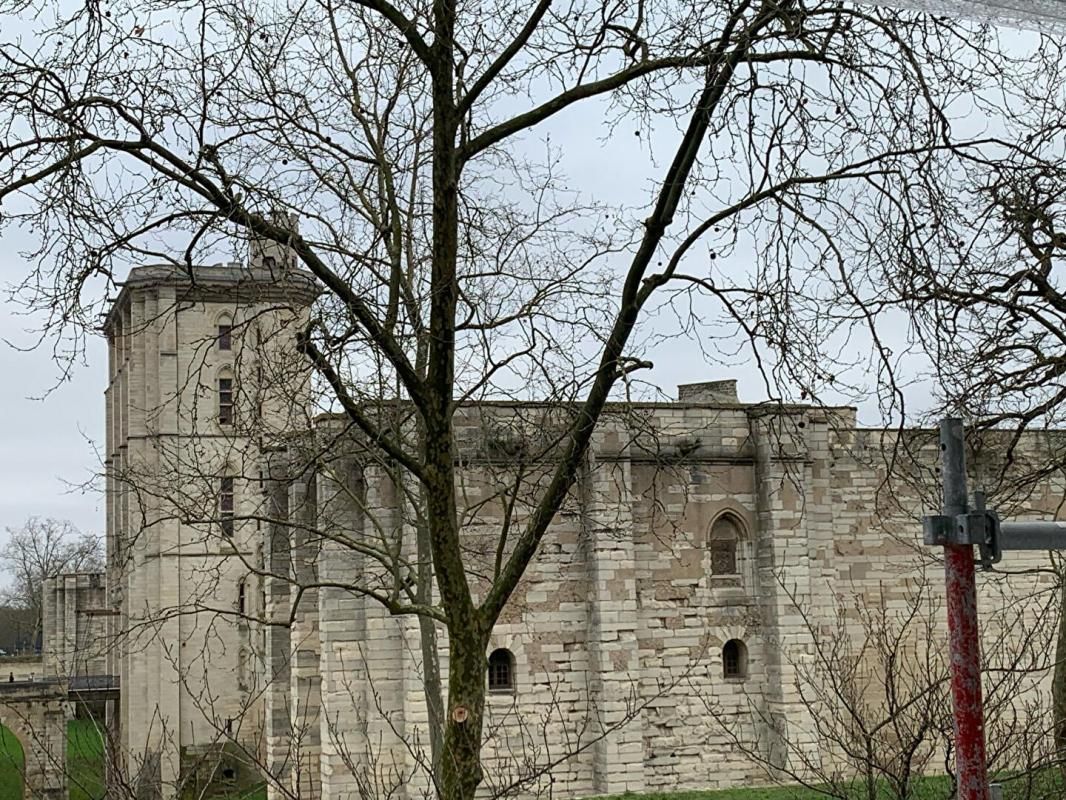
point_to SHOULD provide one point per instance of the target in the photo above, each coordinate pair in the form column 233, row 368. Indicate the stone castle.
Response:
column 674, row 632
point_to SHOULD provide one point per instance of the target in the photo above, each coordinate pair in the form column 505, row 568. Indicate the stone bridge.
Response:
column 36, row 712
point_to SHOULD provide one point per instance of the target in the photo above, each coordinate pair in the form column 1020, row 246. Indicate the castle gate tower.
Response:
column 204, row 375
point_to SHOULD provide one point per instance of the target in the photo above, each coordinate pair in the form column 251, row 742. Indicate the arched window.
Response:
column 225, row 333
column 225, row 401
column 501, row 671
column 725, row 538
column 225, row 505
column 734, row 659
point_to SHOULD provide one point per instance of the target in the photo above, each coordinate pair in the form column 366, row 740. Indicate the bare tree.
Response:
column 42, row 549
column 876, row 696
column 988, row 325
column 459, row 265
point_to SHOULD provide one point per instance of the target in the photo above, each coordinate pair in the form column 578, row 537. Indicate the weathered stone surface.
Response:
column 617, row 629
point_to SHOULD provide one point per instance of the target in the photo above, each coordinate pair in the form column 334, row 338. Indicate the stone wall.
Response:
column 618, row 628
column 36, row 713
column 78, row 626
column 183, row 572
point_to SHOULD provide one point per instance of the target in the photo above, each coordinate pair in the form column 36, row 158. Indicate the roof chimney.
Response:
column 266, row 253
column 710, row 392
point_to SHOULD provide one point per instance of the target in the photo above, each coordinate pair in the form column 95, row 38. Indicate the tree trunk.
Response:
column 430, row 660
column 467, row 637
column 1058, row 684
column 871, row 773
column 461, row 760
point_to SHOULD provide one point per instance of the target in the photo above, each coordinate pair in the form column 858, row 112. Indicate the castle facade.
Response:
column 720, row 581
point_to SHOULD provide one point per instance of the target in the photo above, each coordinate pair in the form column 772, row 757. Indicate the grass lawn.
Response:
column 1046, row 785
column 929, row 789
column 11, row 760
column 258, row 793
column 85, row 760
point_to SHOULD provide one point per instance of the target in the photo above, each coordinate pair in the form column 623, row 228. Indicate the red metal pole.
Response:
column 964, row 639
column 965, row 649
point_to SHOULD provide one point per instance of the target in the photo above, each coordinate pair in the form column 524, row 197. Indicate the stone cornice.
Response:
column 221, row 283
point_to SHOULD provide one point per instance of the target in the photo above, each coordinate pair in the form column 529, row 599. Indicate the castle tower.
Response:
column 204, row 376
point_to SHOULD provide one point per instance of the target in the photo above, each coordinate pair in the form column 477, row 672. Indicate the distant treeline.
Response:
column 18, row 631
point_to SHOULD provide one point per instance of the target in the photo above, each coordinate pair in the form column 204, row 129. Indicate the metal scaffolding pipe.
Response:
column 1032, row 535
column 964, row 639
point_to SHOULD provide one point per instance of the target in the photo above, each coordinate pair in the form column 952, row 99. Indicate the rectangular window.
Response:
column 501, row 671
column 225, row 401
column 225, row 505
column 225, row 337
column 723, row 557
column 731, row 664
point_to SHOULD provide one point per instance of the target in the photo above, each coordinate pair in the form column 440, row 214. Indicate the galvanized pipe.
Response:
column 1032, row 535
column 964, row 639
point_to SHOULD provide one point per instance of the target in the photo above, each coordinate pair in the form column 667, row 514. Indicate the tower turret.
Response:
column 204, row 374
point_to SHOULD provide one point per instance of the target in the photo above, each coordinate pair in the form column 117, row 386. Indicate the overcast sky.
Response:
column 51, row 436
column 50, row 447
column 46, row 445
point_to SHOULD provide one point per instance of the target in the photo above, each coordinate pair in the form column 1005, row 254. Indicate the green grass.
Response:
column 1046, row 785
column 258, row 793
column 11, row 761
column 931, row 788
column 935, row 788
column 85, row 760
